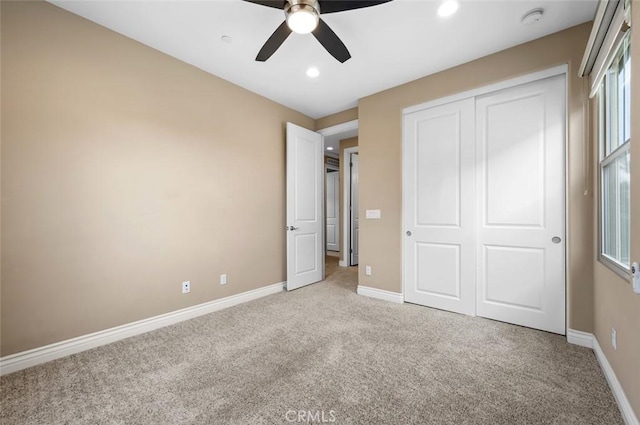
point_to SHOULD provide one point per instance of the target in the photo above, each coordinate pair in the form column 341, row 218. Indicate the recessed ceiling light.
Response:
column 329, row 148
column 226, row 38
column 532, row 16
column 448, row 8
column 313, row 72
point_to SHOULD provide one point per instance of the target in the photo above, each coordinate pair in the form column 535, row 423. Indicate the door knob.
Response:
column 293, row 228
column 408, row 233
column 556, row 239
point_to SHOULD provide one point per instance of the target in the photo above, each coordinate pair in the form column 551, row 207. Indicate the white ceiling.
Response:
column 390, row 44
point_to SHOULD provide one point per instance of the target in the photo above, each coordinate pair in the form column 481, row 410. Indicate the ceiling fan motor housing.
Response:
column 292, row 6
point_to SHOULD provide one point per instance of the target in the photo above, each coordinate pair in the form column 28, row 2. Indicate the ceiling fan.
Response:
column 303, row 17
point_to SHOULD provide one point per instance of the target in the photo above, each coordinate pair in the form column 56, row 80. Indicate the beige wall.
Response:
column 335, row 119
column 380, row 140
column 125, row 172
column 615, row 304
column 344, row 165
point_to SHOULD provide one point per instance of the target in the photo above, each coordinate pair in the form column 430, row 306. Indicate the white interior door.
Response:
column 355, row 215
column 333, row 210
column 305, row 177
column 520, row 200
column 439, row 167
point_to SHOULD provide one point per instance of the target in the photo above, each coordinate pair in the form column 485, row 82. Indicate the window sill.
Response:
column 615, row 267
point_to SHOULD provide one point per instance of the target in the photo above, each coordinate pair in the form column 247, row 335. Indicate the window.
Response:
column 615, row 136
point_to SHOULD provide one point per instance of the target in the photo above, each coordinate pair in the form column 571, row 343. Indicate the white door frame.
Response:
column 328, row 167
column 535, row 76
column 330, row 131
column 346, row 213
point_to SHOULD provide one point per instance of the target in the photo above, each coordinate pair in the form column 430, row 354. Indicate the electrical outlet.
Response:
column 186, row 287
column 614, row 338
column 367, row 270
column 223, row 279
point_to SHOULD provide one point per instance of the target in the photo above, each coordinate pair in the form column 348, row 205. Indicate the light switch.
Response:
column 373, row 214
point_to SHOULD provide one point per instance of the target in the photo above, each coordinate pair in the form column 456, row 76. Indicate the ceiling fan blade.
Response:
column 331, row 42
column 274, row 42
column 330, row 6
column 278, row 4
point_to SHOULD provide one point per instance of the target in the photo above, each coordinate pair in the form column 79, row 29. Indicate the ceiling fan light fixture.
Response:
column 302, row 18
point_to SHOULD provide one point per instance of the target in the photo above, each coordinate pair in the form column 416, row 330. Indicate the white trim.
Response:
column 566, row 224
column 628, row 415
column 610, row 45
column 346, row 201
column 512, row 82
column 394, row 297
column 583, row 339
column 328, row 167
column 339, row 128
column 330, row 131
column 47, row 353
column 591, row 52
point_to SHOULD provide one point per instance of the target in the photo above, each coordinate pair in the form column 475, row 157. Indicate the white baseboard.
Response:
column 583, row 339
column 628, row 415
column 25, row 359
column 589, row 340
column 394, row 297
column 342, row 263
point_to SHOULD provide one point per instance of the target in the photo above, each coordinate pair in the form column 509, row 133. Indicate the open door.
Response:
column 305, row 209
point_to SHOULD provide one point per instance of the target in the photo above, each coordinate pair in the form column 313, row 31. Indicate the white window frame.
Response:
column 604, row 137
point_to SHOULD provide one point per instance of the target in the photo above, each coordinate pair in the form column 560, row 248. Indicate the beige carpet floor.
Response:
column 320, row 353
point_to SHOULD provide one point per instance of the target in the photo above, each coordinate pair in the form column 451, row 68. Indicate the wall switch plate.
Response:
column 186, row 287
column 375, row 214
column 223, row 279
column 367, row 270
column 614, row 338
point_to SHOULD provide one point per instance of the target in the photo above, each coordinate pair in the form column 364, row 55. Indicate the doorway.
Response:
column 313, row 172
column 350, row 207
column 342, row 139
column 332, row 215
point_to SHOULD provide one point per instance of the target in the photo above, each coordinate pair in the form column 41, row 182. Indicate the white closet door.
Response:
column 439, row 167
column 520, row 136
